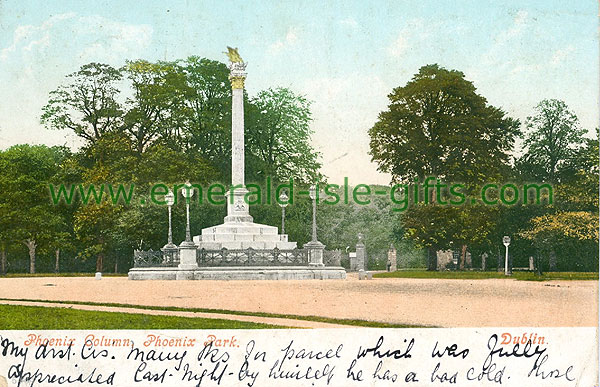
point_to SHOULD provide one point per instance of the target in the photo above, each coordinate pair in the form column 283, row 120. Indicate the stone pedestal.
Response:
column 243, row 235
column 239, row 273
column 237, row 208
column 187, row 261
column 315, row 253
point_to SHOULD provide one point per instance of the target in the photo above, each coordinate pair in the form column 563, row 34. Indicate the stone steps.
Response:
column 243, row 235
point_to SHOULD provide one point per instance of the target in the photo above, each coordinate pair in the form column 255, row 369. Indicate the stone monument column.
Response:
column 237, row 208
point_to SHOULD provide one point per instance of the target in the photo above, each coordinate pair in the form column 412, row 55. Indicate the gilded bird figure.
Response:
column 234, row 56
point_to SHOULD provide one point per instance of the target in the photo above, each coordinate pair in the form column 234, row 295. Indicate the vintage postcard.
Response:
column 317, row 193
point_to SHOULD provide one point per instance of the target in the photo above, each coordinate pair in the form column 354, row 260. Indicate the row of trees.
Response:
column 86, row 237
column 167, row 122
column 143, row 123
column 184, row 106
column 437, row 125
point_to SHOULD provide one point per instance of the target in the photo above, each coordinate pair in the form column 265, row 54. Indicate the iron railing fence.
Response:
column 224, row 257
column 158, row 258
column 252, row 257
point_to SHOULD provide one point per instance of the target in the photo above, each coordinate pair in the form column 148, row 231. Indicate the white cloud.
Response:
column 398, row 47
column 349, row 22
column 95, row 37
column 28, row 37
column 560, row 55
column 413, row 31
column 119, row 40
column 291, row 38
column 519, row 25
column 39, row 56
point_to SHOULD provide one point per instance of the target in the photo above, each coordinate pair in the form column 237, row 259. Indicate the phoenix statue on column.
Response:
column 234, row 56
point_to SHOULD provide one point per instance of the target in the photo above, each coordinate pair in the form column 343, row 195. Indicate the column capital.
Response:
column 237, row 82
column 237, row 74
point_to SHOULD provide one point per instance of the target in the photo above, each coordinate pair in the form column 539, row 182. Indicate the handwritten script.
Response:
column 336, row 357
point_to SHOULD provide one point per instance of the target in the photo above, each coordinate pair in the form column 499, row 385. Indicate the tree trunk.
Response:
column 463, row 256
column 116, row 264
column 538, row 263
column 500, row 261
column 552, row 260
column 56, row 263
column 3, row 261
column 31, row 245
column 431, row 259
column 483, row 258
column 99, row 262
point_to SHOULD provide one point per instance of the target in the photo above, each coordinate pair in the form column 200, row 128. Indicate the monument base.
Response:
column 238, row 273
column 242, row 235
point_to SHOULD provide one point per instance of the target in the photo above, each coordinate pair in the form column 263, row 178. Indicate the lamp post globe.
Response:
column 170, row 198
column 506, row 242
column 283, row 199
column 283, row 202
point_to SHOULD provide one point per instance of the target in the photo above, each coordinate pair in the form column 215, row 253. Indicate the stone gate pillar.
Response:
column 392, row 260
column 361, row 253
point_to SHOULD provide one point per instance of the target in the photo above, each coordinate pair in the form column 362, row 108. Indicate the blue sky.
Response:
column 345, row 56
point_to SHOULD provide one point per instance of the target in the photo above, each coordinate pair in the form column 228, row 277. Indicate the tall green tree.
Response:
column 26, row 210
column 278, row 137
column 207, row 125
column 437, row 125
column 575, row 233
column 578, row 187
column 87, row 104
column 155, row 108
column 553, row 137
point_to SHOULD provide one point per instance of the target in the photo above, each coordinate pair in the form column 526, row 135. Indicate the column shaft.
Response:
column 237, row 137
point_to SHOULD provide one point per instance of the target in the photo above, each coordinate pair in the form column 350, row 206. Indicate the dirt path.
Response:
column 431, row 302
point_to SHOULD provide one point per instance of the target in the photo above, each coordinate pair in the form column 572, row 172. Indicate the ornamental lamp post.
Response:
column 170, row 199
column 314, row 247
column 188, row 193
column 506, row 242
column 187, row 249
column 313, row 195
column 283, row 202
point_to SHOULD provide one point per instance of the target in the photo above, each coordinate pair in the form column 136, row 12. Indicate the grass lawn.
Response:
column 518, row 275
column 360, row 323
column 36, row 317
column 25, row 275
